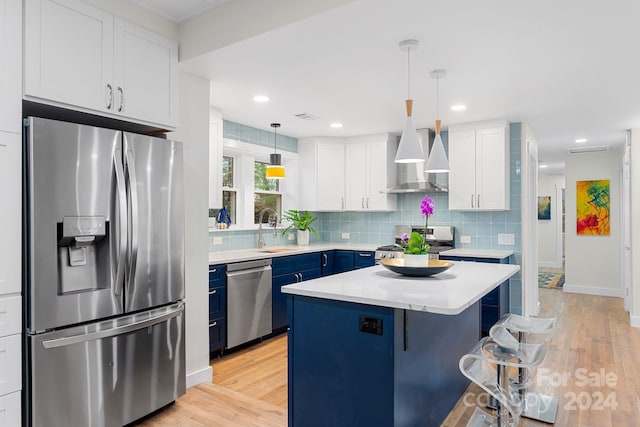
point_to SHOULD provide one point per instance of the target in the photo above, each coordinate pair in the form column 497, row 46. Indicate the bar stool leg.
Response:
column 536, row 406
column 503, row 384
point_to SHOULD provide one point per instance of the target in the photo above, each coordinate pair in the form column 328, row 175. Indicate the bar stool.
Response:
column 535, row 405
column 487, row 365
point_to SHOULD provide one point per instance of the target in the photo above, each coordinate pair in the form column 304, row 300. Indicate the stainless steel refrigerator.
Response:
column 103, row 274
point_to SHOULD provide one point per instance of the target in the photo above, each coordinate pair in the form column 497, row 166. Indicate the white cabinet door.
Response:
column 11, row 69
column 10, row 407
column 10, row 315
column 356, row 177
column 377, row 164
column 11, row 212
column 10, row 364
column 69, row 53
column 330, row 177
column 145, row 74
column 462, row 178
column 492, row 161
column 215, row 159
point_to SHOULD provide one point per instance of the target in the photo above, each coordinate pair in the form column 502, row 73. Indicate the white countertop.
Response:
column 225, row 257
column 450, row 292
column 478, row 253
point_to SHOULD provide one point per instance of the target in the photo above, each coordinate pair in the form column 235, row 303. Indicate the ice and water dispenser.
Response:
column 83, row 253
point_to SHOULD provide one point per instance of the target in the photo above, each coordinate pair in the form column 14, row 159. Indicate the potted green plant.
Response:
column 301, row 220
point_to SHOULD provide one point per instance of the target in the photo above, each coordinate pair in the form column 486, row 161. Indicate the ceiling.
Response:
column 179, row 10
column 569, row 69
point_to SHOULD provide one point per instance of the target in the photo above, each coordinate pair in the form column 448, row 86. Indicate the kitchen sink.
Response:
column 277, row 250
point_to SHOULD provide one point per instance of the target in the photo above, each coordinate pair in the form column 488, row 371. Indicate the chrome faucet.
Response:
column 261, row 242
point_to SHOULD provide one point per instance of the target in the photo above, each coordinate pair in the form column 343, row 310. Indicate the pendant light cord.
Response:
column 275, row 140
column 408, row 72
column 437, row 96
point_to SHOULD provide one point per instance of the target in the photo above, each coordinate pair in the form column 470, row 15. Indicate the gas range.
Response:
column 440, row 238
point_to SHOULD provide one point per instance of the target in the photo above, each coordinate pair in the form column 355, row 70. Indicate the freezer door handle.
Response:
column 121, row 221
column 119, row 330
column 133, row 203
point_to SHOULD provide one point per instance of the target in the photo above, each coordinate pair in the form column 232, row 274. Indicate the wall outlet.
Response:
column 506, row 239
column 345, row 235
column 465, row 239
column 290, row 236
column 217, row 240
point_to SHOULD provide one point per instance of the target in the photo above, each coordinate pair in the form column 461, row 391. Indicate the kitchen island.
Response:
column 371, row 347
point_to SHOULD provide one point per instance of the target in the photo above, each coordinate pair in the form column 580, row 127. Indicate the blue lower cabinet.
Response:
column 496, row 303
column 217, row 308
column 285, row 271
column 362, row 259
column 327, row 262
column 353, row 364
column 217, row 334
column 343, row 261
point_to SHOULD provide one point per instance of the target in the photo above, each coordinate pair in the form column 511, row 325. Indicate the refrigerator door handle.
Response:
column 122, row 221
column 119, row 330
column 133, row 199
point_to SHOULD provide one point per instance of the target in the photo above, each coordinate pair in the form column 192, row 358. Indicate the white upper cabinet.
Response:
column 145, row 74
column 10, row 71
column 81, row 57
column 346, row 173
column 11, row 213
column 370, row 171
column 322, row 174
column 479, row 160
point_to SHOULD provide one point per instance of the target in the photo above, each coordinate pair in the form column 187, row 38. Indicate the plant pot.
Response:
column 416, row 260
column 303, row 237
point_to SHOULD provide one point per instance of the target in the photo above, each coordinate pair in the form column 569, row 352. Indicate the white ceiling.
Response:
column 178, row 10
column 569, row 69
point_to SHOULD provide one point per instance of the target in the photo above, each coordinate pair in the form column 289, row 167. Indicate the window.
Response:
column 266, row 194
column 228, row 190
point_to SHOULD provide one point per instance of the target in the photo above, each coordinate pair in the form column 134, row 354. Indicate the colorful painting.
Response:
column 592, row 207
column 544, row 207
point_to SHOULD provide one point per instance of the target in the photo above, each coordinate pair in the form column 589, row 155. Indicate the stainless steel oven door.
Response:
column 108, row 373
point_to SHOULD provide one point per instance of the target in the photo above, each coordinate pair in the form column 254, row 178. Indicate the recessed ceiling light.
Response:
column 542, row 166
column 459, row 107
column 581, row 140
column 336, row 125
column 261, row 98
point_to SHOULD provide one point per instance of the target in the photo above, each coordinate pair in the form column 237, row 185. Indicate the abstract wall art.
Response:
column 544, row 207
column 593, row 207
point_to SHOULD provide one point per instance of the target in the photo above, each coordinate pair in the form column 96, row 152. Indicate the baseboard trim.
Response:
column 550, row 264
column 634, row 321
column 204, row 375
column 592, row 290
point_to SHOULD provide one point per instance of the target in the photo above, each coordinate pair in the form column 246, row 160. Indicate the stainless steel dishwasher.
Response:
column 248, row 301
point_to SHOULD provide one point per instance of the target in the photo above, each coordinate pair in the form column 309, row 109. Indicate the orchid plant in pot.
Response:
column 416, row 248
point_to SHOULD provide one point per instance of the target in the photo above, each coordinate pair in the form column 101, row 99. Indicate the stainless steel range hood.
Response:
column 412, row 178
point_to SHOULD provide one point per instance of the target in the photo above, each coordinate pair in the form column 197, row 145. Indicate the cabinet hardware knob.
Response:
column 213, row 292
column 213, row 324
column 121, row 99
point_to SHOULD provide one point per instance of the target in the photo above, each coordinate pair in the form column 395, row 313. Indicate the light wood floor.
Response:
column 250, row 386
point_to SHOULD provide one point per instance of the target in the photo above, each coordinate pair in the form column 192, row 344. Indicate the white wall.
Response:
column 238, row 20
column 592, row 263
column 550, row 231
column 635, row 227
column 193, row 131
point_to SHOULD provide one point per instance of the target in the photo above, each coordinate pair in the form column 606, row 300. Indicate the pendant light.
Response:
column 437, row 161
column 409, row 149
column 275, row 170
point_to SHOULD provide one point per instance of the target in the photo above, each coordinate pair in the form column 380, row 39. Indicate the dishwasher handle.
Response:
column 249, row 270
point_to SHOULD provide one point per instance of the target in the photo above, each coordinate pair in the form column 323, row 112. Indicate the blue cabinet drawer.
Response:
column 295, row 263
column 217, row 334
column 363, row 259
column 217, row 277
column 217, row 303
column 492, row 298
